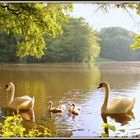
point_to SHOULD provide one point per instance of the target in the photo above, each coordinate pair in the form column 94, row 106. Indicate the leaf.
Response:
column 39, row 19
column 105, row 125
column 104, row 135
column 111, row 127
column 9, row 118
column 121, row 130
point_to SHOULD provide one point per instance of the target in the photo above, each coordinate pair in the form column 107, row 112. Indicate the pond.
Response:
column 76, row 83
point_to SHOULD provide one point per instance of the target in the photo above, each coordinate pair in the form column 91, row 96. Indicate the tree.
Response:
column 125, row 5
column 30, row 22
column 115, row 44
column 8, row 48
column 78, row 43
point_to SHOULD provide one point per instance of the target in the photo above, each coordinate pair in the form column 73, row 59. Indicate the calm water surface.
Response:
column 78, row 84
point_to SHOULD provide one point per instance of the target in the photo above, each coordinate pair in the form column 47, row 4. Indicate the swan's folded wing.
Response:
column 120, row 105
column 22, row 99
column 114, row 102
column 25, row 97
column 19, row 102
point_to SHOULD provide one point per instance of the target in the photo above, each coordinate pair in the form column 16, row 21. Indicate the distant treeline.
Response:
column 78, row 43
column 115, row 44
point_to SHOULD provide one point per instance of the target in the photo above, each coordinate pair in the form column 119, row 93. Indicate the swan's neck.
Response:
column 73, row 107
column 50, row 106
column 12, row 92
column 104, row 106
column 60, row 105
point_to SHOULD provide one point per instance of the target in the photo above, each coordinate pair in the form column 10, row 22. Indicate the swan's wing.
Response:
column 19, row 102
column 114, row 102
column 120, row 105
column 25, row 97
column 120, row 101
column 22, row 99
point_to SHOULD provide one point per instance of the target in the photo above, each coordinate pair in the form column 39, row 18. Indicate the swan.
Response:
column 62, row 106
column 28, row 115
column 75, row 110
column 54, row 110
column 69, row 107
column 117, row 105
column 19, row 103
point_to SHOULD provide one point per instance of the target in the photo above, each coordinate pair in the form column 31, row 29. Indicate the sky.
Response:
column 115, row 17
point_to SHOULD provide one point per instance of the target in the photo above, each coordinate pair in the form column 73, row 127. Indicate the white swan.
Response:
column 18, row 103
column 53, row 109
column 118, row 105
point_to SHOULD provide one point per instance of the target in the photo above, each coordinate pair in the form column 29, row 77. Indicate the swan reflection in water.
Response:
column 123, row 119
column 27, row 115
column 50, row 114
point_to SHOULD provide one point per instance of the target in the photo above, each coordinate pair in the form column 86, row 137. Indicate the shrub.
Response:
column 110, row 127
column 12, row 127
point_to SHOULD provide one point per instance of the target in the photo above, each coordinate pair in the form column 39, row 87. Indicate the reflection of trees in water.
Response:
column 120, row 80
column 120, row 75
column 58, row 79
column 52, row 81
column 27, row 115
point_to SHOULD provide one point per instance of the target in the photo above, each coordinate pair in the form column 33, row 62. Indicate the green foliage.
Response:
column 99, row 59
column 110, row 127
column 115, row 44
column 136, row 43
column 78, row 43
column 7, row 48
column 124, row 5
column 105, row 7
column 104, row 135
column 121, row 130
column 36, row 133
column 31, row 21
column 12, row 127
